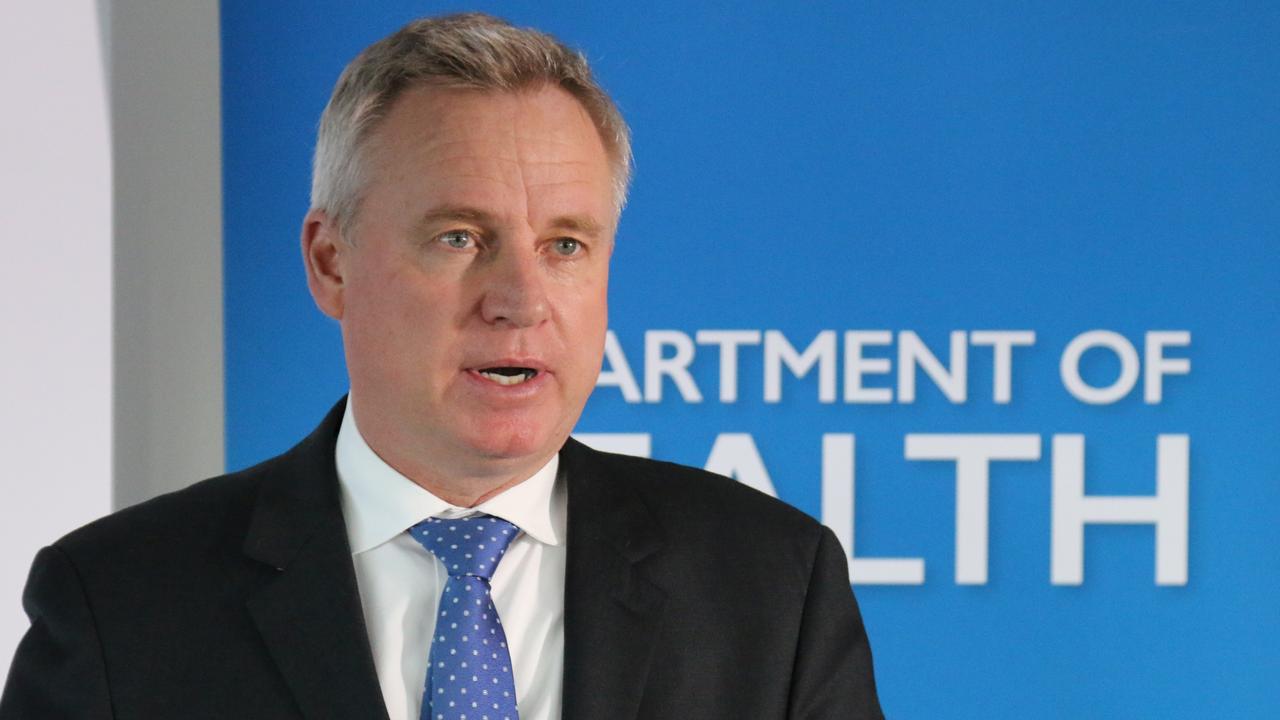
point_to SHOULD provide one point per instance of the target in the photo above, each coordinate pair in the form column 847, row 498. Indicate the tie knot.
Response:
column 466, row 546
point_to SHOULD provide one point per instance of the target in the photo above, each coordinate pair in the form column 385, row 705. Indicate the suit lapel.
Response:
column 612, row 610
column 310, row 615
column 312, row 623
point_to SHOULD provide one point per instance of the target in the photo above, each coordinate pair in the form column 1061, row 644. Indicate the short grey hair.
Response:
column 467, row 50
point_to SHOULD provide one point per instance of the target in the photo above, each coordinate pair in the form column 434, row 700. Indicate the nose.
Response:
column 515, row 291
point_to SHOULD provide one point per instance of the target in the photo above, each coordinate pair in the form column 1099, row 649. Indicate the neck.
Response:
column 465, row 483
column 462, row 492
column 457, row 476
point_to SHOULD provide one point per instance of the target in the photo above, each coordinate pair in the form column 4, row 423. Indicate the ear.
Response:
column 324, row 254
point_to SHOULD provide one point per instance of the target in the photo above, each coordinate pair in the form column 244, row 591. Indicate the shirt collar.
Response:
column 379, row 503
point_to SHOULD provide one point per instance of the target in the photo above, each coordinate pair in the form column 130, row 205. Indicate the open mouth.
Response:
column 508, row 375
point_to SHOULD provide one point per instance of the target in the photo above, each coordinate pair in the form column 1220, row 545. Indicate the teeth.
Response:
column 507, row 379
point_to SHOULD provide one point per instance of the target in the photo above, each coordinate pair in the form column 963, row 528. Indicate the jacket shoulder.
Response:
column 697, row 508
column 210, row 514
column 668, row 484
column 201, row 515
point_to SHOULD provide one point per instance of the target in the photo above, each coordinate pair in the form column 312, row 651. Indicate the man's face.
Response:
column 473, row 298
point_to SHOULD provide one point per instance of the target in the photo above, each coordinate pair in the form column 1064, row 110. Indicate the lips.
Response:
column 508, row 375
column 509, row 372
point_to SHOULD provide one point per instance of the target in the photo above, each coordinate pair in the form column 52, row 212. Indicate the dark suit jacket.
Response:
column 687, row 595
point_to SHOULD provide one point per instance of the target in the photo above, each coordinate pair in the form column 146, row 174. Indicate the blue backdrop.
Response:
column 898, row 167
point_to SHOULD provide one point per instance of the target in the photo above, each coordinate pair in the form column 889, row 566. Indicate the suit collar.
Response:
column 298, row 496
column 310, row 615
column 612, row 609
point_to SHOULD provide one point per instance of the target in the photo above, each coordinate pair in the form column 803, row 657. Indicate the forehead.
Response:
column 490, row 147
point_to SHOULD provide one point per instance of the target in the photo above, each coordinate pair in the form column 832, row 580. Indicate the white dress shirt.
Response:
column 401, row 582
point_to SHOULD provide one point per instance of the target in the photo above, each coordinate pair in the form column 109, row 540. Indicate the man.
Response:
column 439, row 547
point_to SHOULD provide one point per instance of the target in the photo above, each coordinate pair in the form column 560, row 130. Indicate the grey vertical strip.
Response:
column 165, row 77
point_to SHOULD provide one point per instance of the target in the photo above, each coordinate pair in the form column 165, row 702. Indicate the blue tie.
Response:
column 470, row 676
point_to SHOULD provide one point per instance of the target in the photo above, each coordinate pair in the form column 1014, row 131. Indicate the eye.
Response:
column 459, row 239
column 567, row 246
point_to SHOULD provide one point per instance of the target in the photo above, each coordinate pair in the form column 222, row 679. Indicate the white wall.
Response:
column 55, row 287
column 111, row 271
column 167, row 150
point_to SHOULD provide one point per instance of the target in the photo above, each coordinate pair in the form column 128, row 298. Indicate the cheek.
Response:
column 591, row 322
column 397, row 321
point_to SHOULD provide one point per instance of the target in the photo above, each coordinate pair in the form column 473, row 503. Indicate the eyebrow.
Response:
column 583, row 224
column 457, row 212
column 579, row 223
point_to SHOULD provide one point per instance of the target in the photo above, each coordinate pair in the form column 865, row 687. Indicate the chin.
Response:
column 512, row 440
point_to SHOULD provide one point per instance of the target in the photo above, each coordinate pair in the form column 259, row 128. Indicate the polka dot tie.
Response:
column 470, row 675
